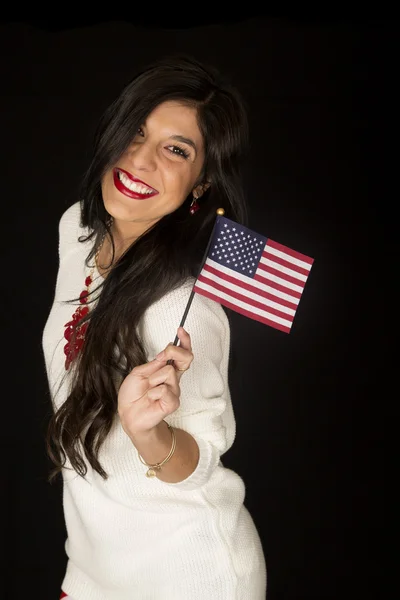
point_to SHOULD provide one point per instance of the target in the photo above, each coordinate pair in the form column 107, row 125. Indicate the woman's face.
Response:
column 158, row 170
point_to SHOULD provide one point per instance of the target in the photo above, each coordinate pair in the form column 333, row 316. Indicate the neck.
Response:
column 126, row 233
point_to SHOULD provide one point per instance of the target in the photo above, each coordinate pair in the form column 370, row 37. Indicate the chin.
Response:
column 118, row 208
column 119, row 212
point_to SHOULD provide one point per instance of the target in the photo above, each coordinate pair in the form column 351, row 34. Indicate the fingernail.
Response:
column 160, row 355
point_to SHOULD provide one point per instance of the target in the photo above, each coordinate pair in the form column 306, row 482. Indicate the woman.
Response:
column 139, row 423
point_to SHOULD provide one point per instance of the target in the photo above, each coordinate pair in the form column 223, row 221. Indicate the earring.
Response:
column 194, row 207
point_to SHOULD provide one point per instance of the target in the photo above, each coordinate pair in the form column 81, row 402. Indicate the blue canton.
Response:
column 236, row 247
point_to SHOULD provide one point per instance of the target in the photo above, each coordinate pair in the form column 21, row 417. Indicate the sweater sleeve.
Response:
column 205, row 405
column 69, row 230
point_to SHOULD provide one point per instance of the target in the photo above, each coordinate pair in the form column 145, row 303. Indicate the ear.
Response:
column 199, row 190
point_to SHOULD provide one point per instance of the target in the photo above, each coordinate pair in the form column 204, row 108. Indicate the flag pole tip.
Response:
column 220, row 212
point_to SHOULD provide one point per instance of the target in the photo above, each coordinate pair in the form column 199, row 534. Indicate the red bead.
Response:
column 194, row 207
column 73, row 325
column 83, row 310
column 68, row 333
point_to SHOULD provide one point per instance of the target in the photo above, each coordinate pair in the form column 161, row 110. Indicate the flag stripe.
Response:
column 272, row 308
column 266, row 314
column 288, row 297
column 285, row 279
column 279, row 290
column 293, row 268
column 254, row 298
column 286, row 273
column 297, row 256
column 258, row 291
column 242, row 311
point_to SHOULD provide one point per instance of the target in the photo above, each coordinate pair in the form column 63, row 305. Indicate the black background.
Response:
column 307, row 439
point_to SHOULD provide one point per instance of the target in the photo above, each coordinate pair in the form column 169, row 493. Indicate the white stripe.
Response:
column 288, row 257
column 257, row 297
column 240, row 304
column 278, row 267
column 262, row 286
column 287, row 284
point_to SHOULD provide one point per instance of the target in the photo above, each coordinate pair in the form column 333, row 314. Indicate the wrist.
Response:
column 153, row 445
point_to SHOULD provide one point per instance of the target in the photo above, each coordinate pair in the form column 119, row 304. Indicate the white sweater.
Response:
column 130, row 537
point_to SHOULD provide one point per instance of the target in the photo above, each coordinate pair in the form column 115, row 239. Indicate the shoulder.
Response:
column 70, row 218
column 69, row 228
column 175, row 302
column 206, row 320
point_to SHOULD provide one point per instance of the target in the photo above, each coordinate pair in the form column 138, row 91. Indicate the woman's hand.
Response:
column 151, row 391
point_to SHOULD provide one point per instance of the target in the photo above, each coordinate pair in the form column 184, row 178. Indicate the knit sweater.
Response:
column 134, row 538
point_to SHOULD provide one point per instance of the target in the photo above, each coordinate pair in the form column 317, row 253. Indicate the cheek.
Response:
column 178, row 182
column 107, row 183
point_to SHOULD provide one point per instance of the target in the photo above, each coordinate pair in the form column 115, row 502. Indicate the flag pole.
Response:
column 220, row 213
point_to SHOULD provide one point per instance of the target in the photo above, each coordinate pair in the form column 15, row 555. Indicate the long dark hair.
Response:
column 160, row 260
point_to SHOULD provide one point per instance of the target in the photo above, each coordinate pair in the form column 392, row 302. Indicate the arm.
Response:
column 205, row 412
column 155, row 446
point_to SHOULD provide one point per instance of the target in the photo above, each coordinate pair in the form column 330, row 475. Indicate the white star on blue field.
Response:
column 236, row 247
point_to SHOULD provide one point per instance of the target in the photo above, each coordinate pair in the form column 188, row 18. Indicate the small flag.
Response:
column 253, row 275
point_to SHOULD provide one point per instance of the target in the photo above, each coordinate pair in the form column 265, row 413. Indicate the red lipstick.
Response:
column 123, row 179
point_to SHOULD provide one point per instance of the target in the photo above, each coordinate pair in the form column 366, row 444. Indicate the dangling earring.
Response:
column 194, row 207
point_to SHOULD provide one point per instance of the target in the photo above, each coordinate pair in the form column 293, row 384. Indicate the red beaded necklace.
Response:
column 74, row 346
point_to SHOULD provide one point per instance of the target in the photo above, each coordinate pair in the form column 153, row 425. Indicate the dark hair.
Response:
column 167, row 254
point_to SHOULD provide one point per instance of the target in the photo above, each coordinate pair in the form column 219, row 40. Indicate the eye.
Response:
column 179, row 151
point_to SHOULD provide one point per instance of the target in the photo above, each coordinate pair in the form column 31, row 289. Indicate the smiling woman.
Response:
column 162, row 164
column 139, row 425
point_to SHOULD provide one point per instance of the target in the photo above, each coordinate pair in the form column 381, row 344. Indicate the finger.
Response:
column 163, row 393
column 147, row 369
column 186, row 345
column 175, row 353
column 180, row 356
column 165, row 376
column 184, row 339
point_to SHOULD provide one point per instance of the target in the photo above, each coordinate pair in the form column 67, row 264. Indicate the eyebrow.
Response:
column 185, row 140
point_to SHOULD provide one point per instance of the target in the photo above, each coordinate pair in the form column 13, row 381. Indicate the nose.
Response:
column 143, row 156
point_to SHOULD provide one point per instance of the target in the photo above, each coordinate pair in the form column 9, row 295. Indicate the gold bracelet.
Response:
column 151, row 472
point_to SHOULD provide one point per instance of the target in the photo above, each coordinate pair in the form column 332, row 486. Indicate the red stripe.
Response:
column 246, row 313
column 248, row 301
column 289, row 251
column 285, row 263
column 277, row 286
column 63, row 595
column 277, row 273
column 252, row 288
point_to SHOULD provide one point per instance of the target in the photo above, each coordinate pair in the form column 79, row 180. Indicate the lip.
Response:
column 126, row 191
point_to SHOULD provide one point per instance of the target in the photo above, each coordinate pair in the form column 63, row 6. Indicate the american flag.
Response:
column 253, row 275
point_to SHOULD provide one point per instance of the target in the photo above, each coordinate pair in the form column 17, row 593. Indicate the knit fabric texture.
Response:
column 130, row 537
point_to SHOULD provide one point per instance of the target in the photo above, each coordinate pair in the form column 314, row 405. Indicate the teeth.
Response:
column 132, row 185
